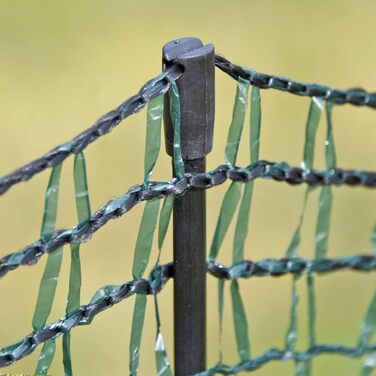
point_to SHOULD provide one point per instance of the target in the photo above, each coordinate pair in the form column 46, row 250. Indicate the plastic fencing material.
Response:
column 237, row 203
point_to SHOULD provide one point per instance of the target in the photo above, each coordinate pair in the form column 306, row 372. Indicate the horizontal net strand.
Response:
column 356, row 96
column 102, row 126
column 283, row 355
column 296, row 266
column 160, row 275
column 175, row 187
column 84, row 314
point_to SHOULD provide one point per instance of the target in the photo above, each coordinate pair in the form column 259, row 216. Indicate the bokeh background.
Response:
column 65, row 63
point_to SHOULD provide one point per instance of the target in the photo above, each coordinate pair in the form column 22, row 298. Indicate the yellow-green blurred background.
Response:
column 65, row 63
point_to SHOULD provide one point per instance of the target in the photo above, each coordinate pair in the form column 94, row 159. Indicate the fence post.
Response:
column 196, row 90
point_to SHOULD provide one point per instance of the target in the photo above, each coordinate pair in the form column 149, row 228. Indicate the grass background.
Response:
column 65, row 63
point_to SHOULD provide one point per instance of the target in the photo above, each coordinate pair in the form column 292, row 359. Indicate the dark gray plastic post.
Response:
column 196, row 90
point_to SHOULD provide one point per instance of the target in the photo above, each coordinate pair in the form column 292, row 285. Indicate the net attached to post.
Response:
column 302, row 359
column 236, row 207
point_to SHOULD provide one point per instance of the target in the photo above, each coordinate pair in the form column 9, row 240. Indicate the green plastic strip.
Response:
column 140, row 261
column 137, row 326
column 323, row 222
column 228, row 208
column 51, row 272
column 81, row 188
column 145, row 238
column 325, row 200
column 293, row 248
column 369, row 365
column 83, row 215
column 175, row 117
column 330, row 151
column 369, row 324
column 240, row 322
column 255, row 122
column 221, row 285
column 162, row 361
column 232, row 196
column 153, row 134
column 47, row 288
column 314, row 115
column 322, row 234
column 313, row 120
column 46, row 357
column 236, row 127
column 311, row 310
column 292, row 335
column 306, row 367
column 302, row 368
column 150, row 216
column 367, row 332
column 164, row 220
column 67, row 356
column 51, row 201
column 322, row 230
column 241, row 228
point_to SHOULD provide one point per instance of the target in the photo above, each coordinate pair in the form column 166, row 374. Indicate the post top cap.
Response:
column 178, row 47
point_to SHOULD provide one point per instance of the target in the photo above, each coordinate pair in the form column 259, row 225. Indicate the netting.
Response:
column 236, row 207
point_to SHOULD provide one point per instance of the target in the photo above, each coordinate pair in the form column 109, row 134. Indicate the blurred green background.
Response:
column 65, row 63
